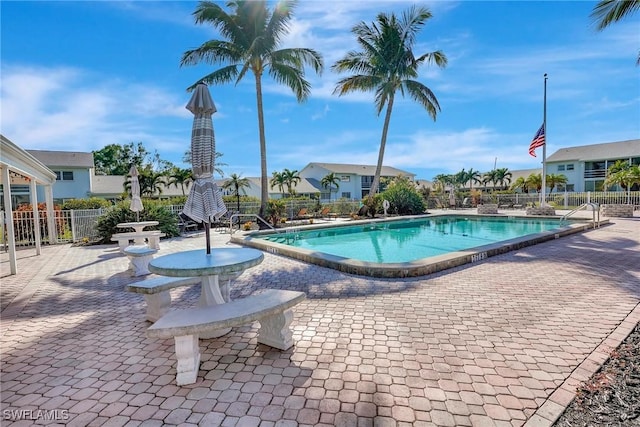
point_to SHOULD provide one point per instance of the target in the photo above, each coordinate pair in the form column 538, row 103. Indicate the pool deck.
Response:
column 501, row 342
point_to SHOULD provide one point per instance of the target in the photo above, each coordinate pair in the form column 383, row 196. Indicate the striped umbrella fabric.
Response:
column 204, row 203
column 136, row 201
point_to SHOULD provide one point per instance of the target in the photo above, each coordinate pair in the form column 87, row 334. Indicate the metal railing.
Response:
column 79, row 225
column 585, row 206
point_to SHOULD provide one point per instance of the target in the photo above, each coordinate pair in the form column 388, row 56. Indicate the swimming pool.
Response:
column 410, row 246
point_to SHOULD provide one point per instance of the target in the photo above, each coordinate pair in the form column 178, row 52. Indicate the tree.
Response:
column 460, row 179
column 473, row 176
column 116, row 159
column 151, row 182
column 534, row 181
column 554, row 180
column 606, row 12
column 520, row 184
column 180, row 177
column 329, row 180
column 277, row 180
column 386, row 64
column 291, row 179
column 236, row 183
column 503, row 177
column 490, row 177
column 217, row 166
column 252, row 35
column 441, row 181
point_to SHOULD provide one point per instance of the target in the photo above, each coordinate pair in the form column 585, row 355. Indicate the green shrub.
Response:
column 91, row 203
column 276, row 208
column 153, row 211
column 404, row 198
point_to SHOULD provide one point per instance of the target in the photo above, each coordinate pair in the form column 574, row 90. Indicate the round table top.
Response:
column 137, row 224
column 197, row 263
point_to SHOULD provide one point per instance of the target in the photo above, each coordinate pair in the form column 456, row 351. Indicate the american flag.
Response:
column 538, row 141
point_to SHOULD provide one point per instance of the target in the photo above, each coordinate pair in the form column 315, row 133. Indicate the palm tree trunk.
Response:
column 264, row 190
column 383, row 143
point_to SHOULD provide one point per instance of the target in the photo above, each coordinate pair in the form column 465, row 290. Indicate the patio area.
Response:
column 501, row 342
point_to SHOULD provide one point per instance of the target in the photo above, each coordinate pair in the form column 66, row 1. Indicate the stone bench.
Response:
column 158, row 298
column 272, row 308
column 156, row 293
column 139, row 257
column 152, row 238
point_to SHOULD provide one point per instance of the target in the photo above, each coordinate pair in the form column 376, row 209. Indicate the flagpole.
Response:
column 543, row 200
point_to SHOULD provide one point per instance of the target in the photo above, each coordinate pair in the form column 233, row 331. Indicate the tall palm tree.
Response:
column 252, row 35
column 460, row 178
column 180, row 177
column 151, row 182
column 386, row 64
column 236, row 184
column 606, row 12
column 329, row 180
column 277, row 180
column 441, row 181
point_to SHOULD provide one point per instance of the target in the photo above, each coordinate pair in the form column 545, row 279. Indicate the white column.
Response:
column 33, row 194
column 8, row 210
column 51, row 219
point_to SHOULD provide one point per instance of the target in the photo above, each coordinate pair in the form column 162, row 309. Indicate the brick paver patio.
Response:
column 502, row 342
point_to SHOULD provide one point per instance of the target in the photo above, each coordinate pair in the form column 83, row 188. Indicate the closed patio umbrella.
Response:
column 136, row 201
column 204, row 203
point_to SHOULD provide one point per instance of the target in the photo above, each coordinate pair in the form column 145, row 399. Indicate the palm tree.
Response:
column 441, row 181
column 277, row 180
column 460, row 178
column 386, row 64
column 236, row 184
column 520, row 184
column 180, row 177
column 217, row 166
column 151, row 182
column 291, row 179
column 490, row 177
column 503, row 177
column 473, row 176
column 534, row 181
column 252, row 35
column 554, row 180
column 606, row 12
column 329, row 180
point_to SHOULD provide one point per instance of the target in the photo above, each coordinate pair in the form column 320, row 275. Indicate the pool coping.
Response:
column 420, row 267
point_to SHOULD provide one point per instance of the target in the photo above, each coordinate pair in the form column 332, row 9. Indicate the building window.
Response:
column 570, row 167
column 560, row 168
column 346, row 194
column 345, row 178
column 64, row 175
column 570, row 187
column 366, row 181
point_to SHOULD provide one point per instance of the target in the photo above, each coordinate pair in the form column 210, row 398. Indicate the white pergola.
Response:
column 20, row 168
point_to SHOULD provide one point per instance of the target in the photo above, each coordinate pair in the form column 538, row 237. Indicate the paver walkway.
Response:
column 498, row 343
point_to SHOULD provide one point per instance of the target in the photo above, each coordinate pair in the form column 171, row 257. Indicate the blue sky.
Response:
column 77, row 76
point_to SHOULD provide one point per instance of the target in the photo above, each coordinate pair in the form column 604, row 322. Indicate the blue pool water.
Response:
column 406, row 241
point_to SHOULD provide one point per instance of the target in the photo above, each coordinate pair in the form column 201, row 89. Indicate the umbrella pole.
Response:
column 207, row 228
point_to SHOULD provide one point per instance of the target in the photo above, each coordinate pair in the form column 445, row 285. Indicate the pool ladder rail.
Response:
column 595, row 207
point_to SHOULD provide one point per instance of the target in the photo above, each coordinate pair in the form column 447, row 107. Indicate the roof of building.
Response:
column 19, row 160
column 63, row 158
column 363, row 170
column 609, row 150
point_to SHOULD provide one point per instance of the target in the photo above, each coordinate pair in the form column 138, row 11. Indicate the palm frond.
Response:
column 438, row 58
column 212, row 52
column 607, row 12
column 298, row 57
column 423, row 96
column 221, row 75
column 291, row 77
column 361, row 82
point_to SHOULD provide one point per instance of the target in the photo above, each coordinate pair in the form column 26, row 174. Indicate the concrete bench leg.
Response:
column 140, row 264
column 122, row 244
column 275, row 330
column 188, row 355
column 154, row 242
column 157, row 305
